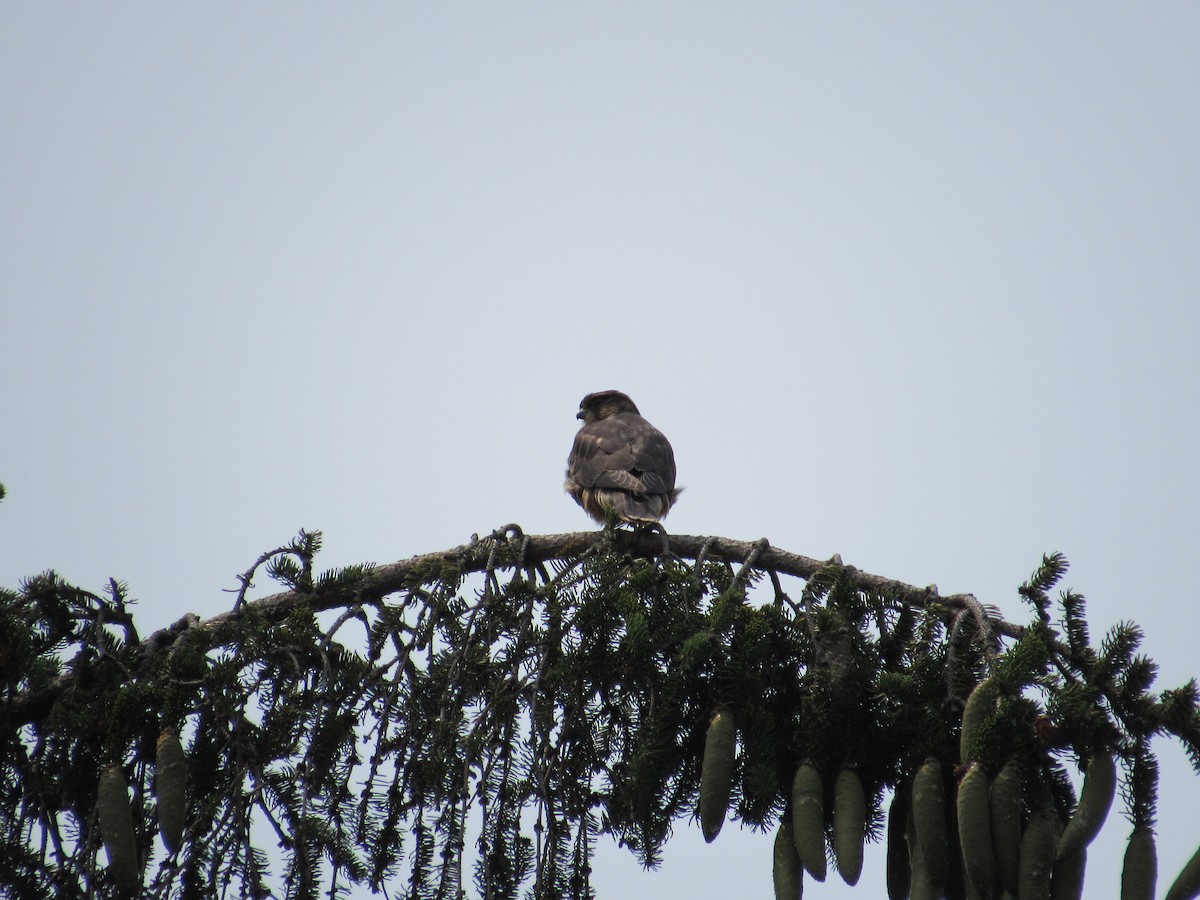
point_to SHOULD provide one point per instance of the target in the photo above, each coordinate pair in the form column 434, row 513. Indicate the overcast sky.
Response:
column 919, row 284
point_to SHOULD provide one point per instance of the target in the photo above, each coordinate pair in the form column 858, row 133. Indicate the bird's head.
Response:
column 603, row 404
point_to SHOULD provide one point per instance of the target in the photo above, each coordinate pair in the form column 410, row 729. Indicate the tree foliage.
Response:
column 471, row 721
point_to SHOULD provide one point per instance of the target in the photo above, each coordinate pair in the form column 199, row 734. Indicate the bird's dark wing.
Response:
column 624, row 452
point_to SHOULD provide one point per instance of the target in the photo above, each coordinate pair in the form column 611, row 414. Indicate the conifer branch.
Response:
column 566, row 687
column 504, row 548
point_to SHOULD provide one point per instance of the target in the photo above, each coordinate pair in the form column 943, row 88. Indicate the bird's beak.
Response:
column 581, row 415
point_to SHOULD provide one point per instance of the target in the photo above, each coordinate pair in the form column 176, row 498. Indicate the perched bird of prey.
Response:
column 620, row 462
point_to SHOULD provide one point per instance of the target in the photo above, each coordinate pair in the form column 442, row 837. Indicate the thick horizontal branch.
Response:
column 508, row 548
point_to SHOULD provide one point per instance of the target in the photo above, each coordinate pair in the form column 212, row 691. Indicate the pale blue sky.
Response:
column 919, row 284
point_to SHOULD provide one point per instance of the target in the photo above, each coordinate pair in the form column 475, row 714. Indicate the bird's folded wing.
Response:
column 623, row 452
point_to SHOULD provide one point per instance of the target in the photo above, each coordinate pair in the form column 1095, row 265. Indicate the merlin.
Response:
column 620, row 462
